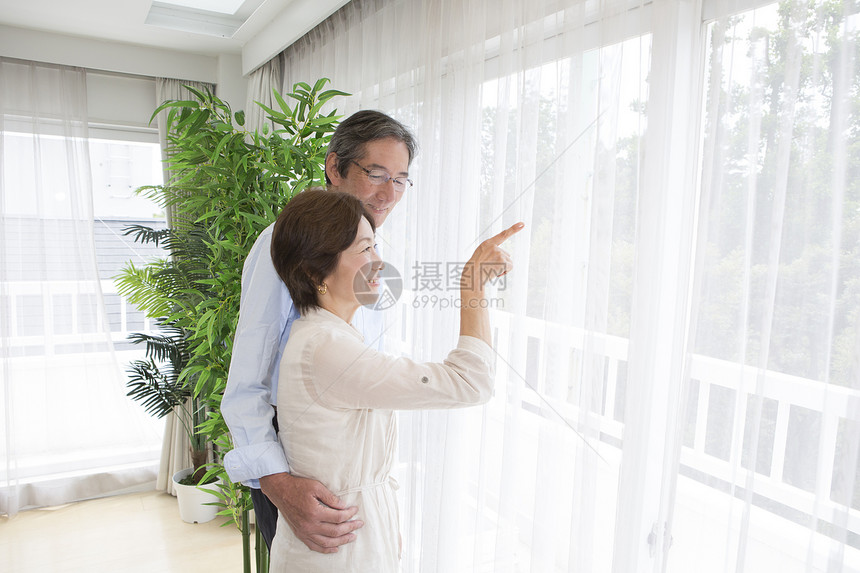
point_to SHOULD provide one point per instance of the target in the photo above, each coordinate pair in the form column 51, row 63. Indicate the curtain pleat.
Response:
column 261, row 84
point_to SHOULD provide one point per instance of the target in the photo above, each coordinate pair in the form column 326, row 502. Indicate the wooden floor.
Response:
column 123, row 534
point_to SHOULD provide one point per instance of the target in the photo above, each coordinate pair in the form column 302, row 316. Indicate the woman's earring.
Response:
column 322, row 289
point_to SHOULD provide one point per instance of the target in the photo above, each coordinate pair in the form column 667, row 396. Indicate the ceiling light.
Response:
column 220, row 6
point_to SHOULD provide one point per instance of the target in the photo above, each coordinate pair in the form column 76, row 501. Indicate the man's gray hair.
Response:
column 360, row 128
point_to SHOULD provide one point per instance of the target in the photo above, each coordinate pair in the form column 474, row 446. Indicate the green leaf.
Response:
column 172, row 104
column 320, row 84
column 301, row 86
column 323, row 121
column 328, row 94
column 282, row 103
column 200, row 95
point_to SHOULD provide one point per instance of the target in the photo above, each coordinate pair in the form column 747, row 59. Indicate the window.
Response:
column 119, row 168
column 65, row 415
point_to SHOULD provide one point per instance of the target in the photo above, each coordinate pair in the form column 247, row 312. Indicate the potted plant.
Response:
column 160, row 289
column 227, row 185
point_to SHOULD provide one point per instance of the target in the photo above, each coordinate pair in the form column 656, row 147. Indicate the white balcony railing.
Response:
column 829, row 404
column 34, row 308
column 718, row 470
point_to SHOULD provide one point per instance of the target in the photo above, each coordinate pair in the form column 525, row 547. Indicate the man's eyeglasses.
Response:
column 380, row 177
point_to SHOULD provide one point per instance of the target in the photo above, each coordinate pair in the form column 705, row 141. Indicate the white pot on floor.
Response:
column 193, row 500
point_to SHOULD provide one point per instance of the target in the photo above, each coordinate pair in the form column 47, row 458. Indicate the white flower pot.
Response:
column 192, row 500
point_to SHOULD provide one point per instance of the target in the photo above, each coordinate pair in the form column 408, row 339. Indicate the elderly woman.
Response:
column 337, row 396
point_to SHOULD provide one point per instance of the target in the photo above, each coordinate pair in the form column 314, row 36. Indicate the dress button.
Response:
column 424, row 380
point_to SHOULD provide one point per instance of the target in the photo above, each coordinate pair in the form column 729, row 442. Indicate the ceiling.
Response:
column 125, row 21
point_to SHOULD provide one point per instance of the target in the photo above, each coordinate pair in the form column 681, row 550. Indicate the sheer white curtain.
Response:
column 68, row 430
column 614, row 441
column 772, row 410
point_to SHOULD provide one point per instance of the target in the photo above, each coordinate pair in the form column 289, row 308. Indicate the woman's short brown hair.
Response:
column 311, row 232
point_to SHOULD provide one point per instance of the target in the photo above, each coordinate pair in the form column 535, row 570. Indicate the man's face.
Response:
column 390, row 155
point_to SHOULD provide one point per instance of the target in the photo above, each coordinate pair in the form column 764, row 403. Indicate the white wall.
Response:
column 103, row 55
column 232, row 87
column 225, row 71
column 119, row 99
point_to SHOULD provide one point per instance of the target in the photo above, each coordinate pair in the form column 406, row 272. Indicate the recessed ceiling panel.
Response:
column 221, row 6
column 173, row 17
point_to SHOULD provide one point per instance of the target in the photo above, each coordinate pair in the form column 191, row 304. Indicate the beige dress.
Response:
column 336, row 402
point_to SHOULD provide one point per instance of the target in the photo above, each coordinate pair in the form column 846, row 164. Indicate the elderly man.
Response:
column 368, row 157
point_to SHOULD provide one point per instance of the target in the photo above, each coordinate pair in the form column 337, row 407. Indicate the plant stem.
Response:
column 246, row 542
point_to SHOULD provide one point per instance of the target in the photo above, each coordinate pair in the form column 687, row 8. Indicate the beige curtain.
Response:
column 262, row 81
column 175, row 454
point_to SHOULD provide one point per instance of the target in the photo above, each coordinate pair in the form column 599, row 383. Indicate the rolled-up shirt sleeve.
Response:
column 266, row 313
column 341, row 372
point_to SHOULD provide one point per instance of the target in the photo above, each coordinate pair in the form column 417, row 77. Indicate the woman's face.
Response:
column 355, row 279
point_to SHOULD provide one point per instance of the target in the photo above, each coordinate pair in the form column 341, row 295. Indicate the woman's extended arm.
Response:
column 341, row 372
column 488, row 261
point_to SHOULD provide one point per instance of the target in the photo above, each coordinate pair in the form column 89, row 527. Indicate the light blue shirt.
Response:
column 265, row 317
